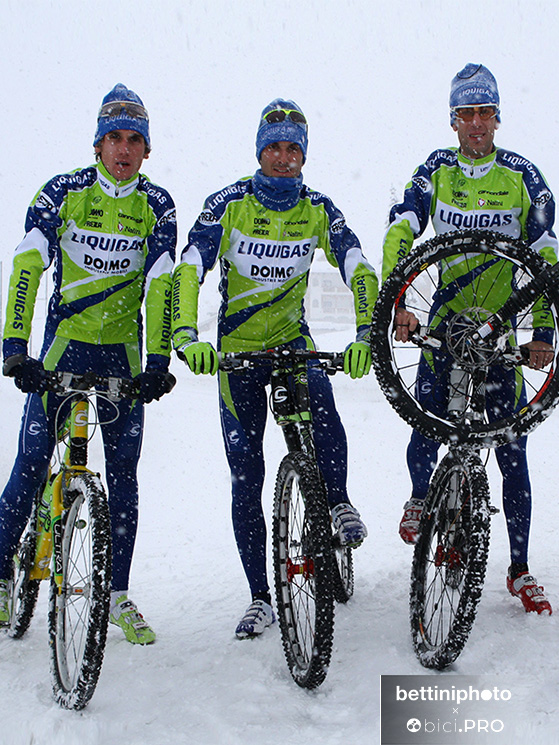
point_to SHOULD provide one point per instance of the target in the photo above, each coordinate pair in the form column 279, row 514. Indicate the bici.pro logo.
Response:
column 453, row 709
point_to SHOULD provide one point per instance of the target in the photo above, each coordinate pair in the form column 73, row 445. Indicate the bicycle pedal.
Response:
column 493, row 510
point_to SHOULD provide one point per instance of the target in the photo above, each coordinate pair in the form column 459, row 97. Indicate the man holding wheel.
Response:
column 264, row 231
column 477, row 186
column 111, row 236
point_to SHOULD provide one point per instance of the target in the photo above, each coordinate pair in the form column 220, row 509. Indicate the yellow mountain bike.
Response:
column 68, row 539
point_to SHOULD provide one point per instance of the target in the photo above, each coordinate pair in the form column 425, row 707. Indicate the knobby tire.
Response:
column 343, row 580
column 302, row 538
column 450, row 559
column 23, row 590
column 79, row 613
column 415, row 280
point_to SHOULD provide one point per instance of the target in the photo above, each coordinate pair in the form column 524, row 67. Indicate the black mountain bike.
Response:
column 454, row 284
column 68, row 541
column 311, row 569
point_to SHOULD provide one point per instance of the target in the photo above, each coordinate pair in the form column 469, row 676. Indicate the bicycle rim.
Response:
column 476, row 267
column 79, row 610
column 302, row 567
column 450, row 559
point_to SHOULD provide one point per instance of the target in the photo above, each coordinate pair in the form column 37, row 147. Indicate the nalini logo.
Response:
column 414, row 725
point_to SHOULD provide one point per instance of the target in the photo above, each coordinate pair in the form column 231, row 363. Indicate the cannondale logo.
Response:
column 414, row 725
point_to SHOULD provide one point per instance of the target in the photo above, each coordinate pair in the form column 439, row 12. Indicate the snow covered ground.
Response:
column 198, row 685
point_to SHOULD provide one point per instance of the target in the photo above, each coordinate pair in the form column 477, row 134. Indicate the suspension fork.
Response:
column 292, row 408
column 465, row 385
column 75, row 459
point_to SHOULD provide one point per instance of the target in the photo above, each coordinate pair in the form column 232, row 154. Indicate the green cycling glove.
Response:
column 357, row 359
column 200, row 357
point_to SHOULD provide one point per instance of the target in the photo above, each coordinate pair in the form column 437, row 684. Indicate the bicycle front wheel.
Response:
column 450, row 559
column 23, row 589
column 303, row 569
column 452, row 282
column 79, row 608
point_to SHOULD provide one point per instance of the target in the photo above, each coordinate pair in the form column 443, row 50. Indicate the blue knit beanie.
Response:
column 131, row 115
column 472, row 86
column 284, row 131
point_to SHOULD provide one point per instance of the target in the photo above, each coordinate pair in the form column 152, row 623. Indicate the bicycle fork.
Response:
column 51, row 506
column 291, row 407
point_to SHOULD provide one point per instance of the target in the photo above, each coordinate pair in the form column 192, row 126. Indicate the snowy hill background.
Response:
column 373, row 80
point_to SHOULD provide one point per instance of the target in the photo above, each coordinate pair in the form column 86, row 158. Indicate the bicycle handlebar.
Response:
column 64, row 383
column 278, row 356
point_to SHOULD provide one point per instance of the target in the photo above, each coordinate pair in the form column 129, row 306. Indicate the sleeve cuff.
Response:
column 11, row 347
column 157, row 362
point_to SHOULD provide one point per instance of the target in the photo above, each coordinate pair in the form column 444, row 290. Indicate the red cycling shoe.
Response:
column 527, row 589
column 409, row 524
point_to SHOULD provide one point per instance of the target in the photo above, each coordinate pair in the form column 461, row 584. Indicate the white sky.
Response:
column 372, row 77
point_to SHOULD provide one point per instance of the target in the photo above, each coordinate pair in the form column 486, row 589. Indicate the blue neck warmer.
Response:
column 277, row 193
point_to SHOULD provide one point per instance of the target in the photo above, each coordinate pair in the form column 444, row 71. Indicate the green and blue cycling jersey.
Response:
column 502, row 192
column 265, row 258
column 113, row 249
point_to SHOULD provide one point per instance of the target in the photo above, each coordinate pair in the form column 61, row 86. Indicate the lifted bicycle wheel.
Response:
column 450, row 559
column 476, row 266
column 303, row 569
column 79, row 609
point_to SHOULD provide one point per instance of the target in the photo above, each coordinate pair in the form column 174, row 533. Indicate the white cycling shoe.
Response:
column 351, row 530
column 258, row 616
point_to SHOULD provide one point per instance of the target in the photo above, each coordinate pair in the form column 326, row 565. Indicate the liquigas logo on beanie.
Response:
column 282, row 121
column 122, row 109
column 474, row 85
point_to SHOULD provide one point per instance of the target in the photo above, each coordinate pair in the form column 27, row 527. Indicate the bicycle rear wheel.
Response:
column 450, row 559
column 477, row 267
column 23, row 590
column 303, row 569
column 79, row 609
column 342, row 572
